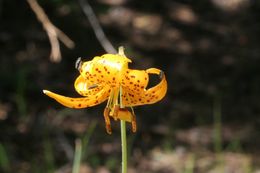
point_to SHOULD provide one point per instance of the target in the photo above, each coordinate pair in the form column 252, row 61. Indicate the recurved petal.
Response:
column 147, row 96
column 135, row 80
column 83, row 102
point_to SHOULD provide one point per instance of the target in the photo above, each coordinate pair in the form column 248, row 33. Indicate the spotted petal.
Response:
column 136, row 97
column 85, row 88
column 83, row 102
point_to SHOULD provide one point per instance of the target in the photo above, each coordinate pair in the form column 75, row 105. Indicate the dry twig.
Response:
column 54, row 33
column 88, row 11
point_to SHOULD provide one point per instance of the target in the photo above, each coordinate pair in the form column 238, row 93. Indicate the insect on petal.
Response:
column 85, row 88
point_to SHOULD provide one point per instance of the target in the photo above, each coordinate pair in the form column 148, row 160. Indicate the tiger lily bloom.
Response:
column 108, row 77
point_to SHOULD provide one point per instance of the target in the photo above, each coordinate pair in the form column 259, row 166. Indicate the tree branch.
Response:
column 88, row 11
column 52, row 31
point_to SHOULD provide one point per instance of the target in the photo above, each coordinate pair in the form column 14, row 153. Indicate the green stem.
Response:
column 77, row 157
column 124, row 146
column 123, row 136
column 123, row 124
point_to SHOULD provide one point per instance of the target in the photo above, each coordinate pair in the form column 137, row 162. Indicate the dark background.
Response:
column 209, row 120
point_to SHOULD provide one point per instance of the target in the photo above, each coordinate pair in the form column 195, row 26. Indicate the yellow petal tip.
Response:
column 45, row 91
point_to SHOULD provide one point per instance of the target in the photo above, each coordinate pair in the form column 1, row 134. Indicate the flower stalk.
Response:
column 123, row 125
column 124, row 146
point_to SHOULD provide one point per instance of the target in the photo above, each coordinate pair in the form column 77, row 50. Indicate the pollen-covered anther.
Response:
column 107, row 120
column 133, row 123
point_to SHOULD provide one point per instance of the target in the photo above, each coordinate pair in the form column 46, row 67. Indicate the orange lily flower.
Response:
column 108, row 77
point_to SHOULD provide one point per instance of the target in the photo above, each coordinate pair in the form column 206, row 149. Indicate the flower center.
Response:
column 117, row 110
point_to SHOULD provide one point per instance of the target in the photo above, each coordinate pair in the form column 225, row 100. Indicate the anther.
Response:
column 107, row 120
column 133, row 123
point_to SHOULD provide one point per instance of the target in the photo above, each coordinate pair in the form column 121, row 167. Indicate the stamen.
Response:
column 133, row 117
column 107, row 120
column 109, row 102
column 115, row 114
column 121, row 93
column 133, row 121
column 114, row 104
